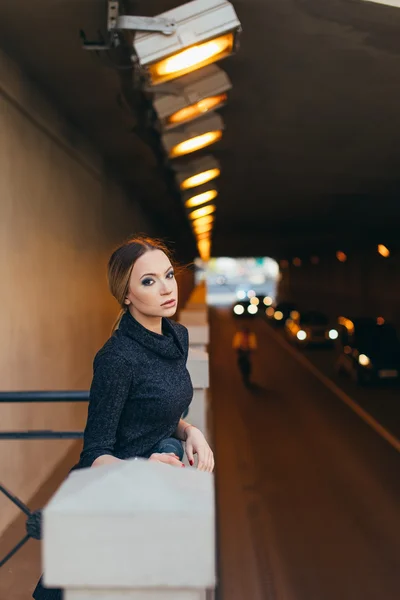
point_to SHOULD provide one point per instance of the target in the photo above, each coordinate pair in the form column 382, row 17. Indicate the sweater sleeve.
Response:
column 112, row 379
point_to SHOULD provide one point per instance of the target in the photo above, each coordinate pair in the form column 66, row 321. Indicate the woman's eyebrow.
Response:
column 155, row 274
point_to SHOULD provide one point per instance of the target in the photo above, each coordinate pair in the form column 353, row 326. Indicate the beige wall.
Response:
column 59, row 219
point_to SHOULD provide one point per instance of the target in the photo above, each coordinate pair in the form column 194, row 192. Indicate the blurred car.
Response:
column 245, row 309
column 279, row 314
column 369, row 350
column 310, row 327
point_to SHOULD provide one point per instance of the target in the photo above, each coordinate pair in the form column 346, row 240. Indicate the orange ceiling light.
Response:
column 204, row 211
column 196, row 110
column 383, row 251
column 192, row 58
column 204, row 247
column 201, row 198
column 203, row 229
column 200, row 179
column 203, row 221
column 195, row 143
column 204, row 236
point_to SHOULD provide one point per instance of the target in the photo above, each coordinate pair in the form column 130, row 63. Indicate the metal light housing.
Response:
column 192, row 96
column 206, row 31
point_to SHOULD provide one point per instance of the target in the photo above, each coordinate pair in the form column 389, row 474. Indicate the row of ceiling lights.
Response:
column 187, row 89
column 174, row 54
column 340, row 255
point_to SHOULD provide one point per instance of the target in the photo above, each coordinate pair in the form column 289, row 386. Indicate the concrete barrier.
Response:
column 198, row 366
column 135, row 530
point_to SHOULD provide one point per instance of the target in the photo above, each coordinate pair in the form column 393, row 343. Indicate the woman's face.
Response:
column 152, row 290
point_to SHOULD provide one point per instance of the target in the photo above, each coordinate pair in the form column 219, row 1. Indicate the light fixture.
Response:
column 301, row 335
column 341, row 256
column 278, row 315
column 270, row 311
column 205, row 32
column 202, row 198
column 200, row 178
column 197, row 172
column 267, row 301
column 333, row 334
column 204, row 247
column 241, row 294
column 383, row 250
column 195, row 136
column 203, row 236
column 203, row 229
column 297, row 262
column 202, row 212
column 203, row 221
column 254, row 300
column 191, row 96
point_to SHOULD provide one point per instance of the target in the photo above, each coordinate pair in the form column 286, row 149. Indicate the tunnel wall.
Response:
column 60, row 217
column 365, row 285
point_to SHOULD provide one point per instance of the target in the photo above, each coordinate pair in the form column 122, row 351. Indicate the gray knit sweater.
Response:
column 140, row 389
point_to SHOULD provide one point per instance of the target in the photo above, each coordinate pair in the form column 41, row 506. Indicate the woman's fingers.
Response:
column 169, row 459
column 189, row 453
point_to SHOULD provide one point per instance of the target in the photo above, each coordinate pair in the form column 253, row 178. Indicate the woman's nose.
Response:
column 166, row 289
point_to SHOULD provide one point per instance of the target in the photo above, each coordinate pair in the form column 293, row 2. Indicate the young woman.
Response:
column 141, row 386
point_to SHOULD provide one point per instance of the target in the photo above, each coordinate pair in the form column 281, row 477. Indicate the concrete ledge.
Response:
column 199, row 335
column 135, row 524
column 198, row 367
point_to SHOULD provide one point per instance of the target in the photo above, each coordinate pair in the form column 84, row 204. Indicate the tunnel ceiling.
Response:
column 310, row 155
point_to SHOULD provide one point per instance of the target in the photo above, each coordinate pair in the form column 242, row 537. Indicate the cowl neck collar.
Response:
column 166, row 345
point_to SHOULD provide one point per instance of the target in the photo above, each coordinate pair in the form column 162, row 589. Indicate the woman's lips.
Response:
column 169, row 303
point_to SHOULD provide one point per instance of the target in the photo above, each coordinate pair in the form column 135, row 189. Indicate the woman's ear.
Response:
column 127, row 301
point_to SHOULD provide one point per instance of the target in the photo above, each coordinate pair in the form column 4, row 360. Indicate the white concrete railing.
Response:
column 198, row 366
column 195, row 318
column 131, row 531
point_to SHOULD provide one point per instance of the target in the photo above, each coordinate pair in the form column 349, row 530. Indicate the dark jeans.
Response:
column 164, row 447
column 169, row 445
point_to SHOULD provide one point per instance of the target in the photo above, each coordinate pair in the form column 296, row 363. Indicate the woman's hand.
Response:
column 196, row 443
column 168, row 459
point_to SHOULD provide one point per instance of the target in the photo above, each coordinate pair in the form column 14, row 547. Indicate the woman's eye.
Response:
column 147, row 282
column 171, row 275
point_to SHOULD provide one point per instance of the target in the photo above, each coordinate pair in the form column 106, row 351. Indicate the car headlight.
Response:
column 364, row 360
column 333, row 334
column 238, row 309
column 301, row 335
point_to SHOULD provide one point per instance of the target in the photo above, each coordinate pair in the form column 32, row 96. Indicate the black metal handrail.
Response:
column 44, row 396
column 39, row 397
column 34, row 519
